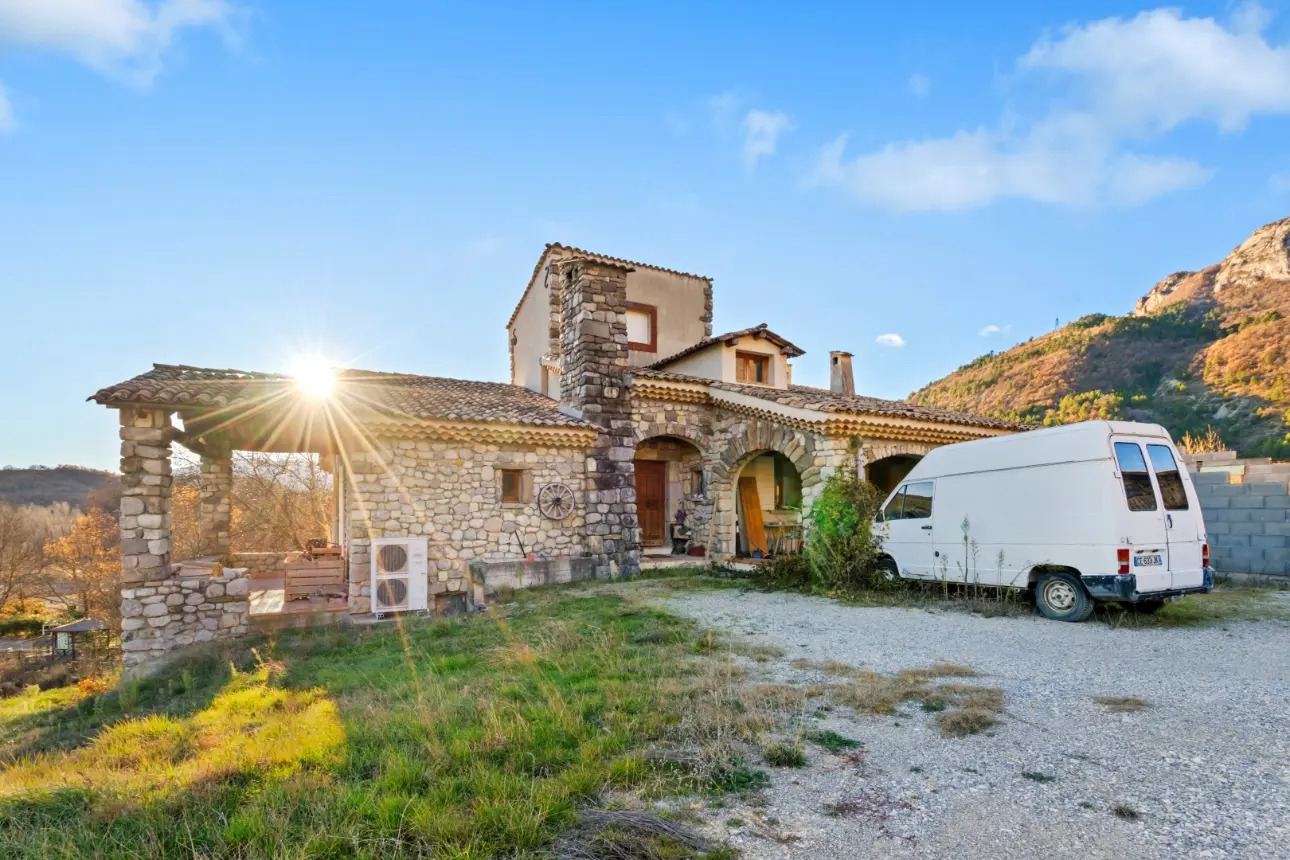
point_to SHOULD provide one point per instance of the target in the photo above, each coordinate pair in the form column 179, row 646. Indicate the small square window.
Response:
column 512, row 486
column 753, row 368
column 642, row 327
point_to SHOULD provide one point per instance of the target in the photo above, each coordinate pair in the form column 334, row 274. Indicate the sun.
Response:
column 314, row 376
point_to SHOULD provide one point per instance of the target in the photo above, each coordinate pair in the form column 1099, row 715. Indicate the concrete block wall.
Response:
column 1248, row 523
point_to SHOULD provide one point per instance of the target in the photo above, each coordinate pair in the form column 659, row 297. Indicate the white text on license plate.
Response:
column 1147, row 561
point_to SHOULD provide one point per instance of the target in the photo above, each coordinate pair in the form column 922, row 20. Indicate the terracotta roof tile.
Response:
column 823, row 400
column 391, row 395
column 760, row 331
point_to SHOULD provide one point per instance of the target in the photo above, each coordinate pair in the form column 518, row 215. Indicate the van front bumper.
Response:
column 1124, row 588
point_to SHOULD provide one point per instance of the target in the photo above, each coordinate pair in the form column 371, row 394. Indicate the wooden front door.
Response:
column 651, row 501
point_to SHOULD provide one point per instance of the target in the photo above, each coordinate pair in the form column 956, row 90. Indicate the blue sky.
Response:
column 234, row 183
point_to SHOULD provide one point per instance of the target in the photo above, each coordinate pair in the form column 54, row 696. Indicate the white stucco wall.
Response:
column 531, row 331
column 718, row 361
column 680, row 302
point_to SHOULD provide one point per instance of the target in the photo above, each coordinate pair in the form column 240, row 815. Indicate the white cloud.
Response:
column 995, row 329
column 892, row 340
column 1119, row 83
column 6, row 112
column 920, row 85
column 761, row 132
column 123, row 39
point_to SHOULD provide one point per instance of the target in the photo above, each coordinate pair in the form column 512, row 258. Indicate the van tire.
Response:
column 887, row 569
column 1061, row 597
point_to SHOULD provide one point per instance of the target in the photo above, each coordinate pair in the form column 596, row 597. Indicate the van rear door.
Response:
column 1184, row 528
column 1143, row 523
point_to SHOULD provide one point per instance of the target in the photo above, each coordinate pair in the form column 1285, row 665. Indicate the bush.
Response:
column 841, row 546
column 783, row 573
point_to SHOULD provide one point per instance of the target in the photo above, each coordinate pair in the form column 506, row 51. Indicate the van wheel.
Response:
column 1061, row 597
column 887, row 570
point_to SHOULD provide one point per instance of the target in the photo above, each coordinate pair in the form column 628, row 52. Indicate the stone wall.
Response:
column 1248, row 524
column 199, row 602
column 451, row 492
column 594, row 334
column 216, row 502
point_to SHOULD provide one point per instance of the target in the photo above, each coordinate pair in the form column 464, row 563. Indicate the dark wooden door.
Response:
column 651, row 501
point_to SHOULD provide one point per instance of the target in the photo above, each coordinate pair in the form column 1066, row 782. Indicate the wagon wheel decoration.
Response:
column 555, row 501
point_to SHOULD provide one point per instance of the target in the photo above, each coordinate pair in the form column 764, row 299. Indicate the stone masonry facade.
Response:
column 594, row 334
column 164, row 606
column 451, row 492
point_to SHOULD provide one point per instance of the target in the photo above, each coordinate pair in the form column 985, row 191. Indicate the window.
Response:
column 1133, row 471
column 642, row 327
column 788, row 484
column 753, row 368
column 548, row 377
column 918, row 501
column 512, row 486
column 697, row 487
column 1171, row 486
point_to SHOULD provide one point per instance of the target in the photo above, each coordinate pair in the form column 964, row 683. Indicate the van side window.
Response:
column 1172, row 491
column 918, row 501
column 893, row 509
column 1137, row 482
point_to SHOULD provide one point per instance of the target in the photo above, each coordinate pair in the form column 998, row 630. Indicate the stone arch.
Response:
column 677, row 452
column 815, row 458
column 689, row 432
column 886, row 463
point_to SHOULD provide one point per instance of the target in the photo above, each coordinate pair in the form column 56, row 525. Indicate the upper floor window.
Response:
column 750, row 367
column 642, row 327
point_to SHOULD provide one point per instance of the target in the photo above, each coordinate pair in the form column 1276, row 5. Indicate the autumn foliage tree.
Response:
column 84, row 567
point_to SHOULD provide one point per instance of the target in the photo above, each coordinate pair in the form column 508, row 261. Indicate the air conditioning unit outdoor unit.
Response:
column 398, row 575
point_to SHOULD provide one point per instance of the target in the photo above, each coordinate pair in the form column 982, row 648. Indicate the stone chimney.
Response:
column 840, row 379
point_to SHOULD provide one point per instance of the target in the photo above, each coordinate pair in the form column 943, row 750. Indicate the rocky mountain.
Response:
column 42, row 485
column 1201, row 349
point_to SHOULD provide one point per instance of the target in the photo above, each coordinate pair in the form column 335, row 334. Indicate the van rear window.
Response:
column 1172, row 491
column 1137, row 482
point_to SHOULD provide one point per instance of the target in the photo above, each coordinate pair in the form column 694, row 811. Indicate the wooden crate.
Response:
column 311, row 577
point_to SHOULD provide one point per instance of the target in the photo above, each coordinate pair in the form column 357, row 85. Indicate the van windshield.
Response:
column 1137, row 482
column 1171, row 486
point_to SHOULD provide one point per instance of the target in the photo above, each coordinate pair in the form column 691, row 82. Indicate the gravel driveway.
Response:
column 1206, row 768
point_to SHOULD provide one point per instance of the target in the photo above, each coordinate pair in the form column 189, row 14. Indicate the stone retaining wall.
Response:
column 199, row 602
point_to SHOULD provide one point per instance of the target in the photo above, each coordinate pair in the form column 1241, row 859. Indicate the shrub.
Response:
column 841, row 545
column 784, row 572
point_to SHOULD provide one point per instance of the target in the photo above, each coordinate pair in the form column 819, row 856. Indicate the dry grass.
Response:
column 1122, row 704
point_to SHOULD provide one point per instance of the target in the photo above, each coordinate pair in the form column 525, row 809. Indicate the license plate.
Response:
column 1147, row 561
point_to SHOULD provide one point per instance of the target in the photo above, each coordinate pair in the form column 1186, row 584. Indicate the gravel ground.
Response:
column 1206, row 768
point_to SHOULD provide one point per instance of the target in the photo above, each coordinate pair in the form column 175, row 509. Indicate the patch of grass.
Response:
column 1036, row 776
column 1225, row 603
column 832, row 741
column 785, row 755
column 1125, row 812
column 1122, row 704
column 961, row 722
column 469, row 737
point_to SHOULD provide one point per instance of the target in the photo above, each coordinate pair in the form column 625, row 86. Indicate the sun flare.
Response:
column 314, row 376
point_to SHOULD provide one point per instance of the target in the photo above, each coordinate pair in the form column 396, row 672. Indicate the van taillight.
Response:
column 1204, row 554
column 1122, row 556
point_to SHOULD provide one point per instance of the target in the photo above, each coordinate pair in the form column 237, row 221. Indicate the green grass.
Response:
column 1225, row 603
column 785, row 755
column 472, row 737
column 832, row 741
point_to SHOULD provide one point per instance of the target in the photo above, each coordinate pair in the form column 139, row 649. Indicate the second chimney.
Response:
column 840, row 379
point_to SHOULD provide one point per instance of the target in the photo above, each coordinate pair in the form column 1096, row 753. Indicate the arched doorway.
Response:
column 768, row 507
column 887, row 473
column 670, row 490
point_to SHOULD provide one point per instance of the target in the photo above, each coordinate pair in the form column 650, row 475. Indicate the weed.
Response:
column 1122, row 704
column 832, row 741
column 1036, row 776
column 785, row 755
column 1084, row 804
column 961, row 722
column 734, row 822
column 1126, row 812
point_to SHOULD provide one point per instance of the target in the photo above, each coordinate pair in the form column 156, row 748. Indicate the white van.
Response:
column 1101, row 510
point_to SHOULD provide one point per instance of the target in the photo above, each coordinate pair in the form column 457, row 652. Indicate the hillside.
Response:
column 45, row 486
column 1206, row 348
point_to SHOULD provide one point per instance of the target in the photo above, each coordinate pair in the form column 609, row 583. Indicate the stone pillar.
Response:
column 594, row 347
column 216, row 491
column 145, row 494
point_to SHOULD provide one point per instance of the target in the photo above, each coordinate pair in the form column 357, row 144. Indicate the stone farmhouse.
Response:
column 624, row 414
